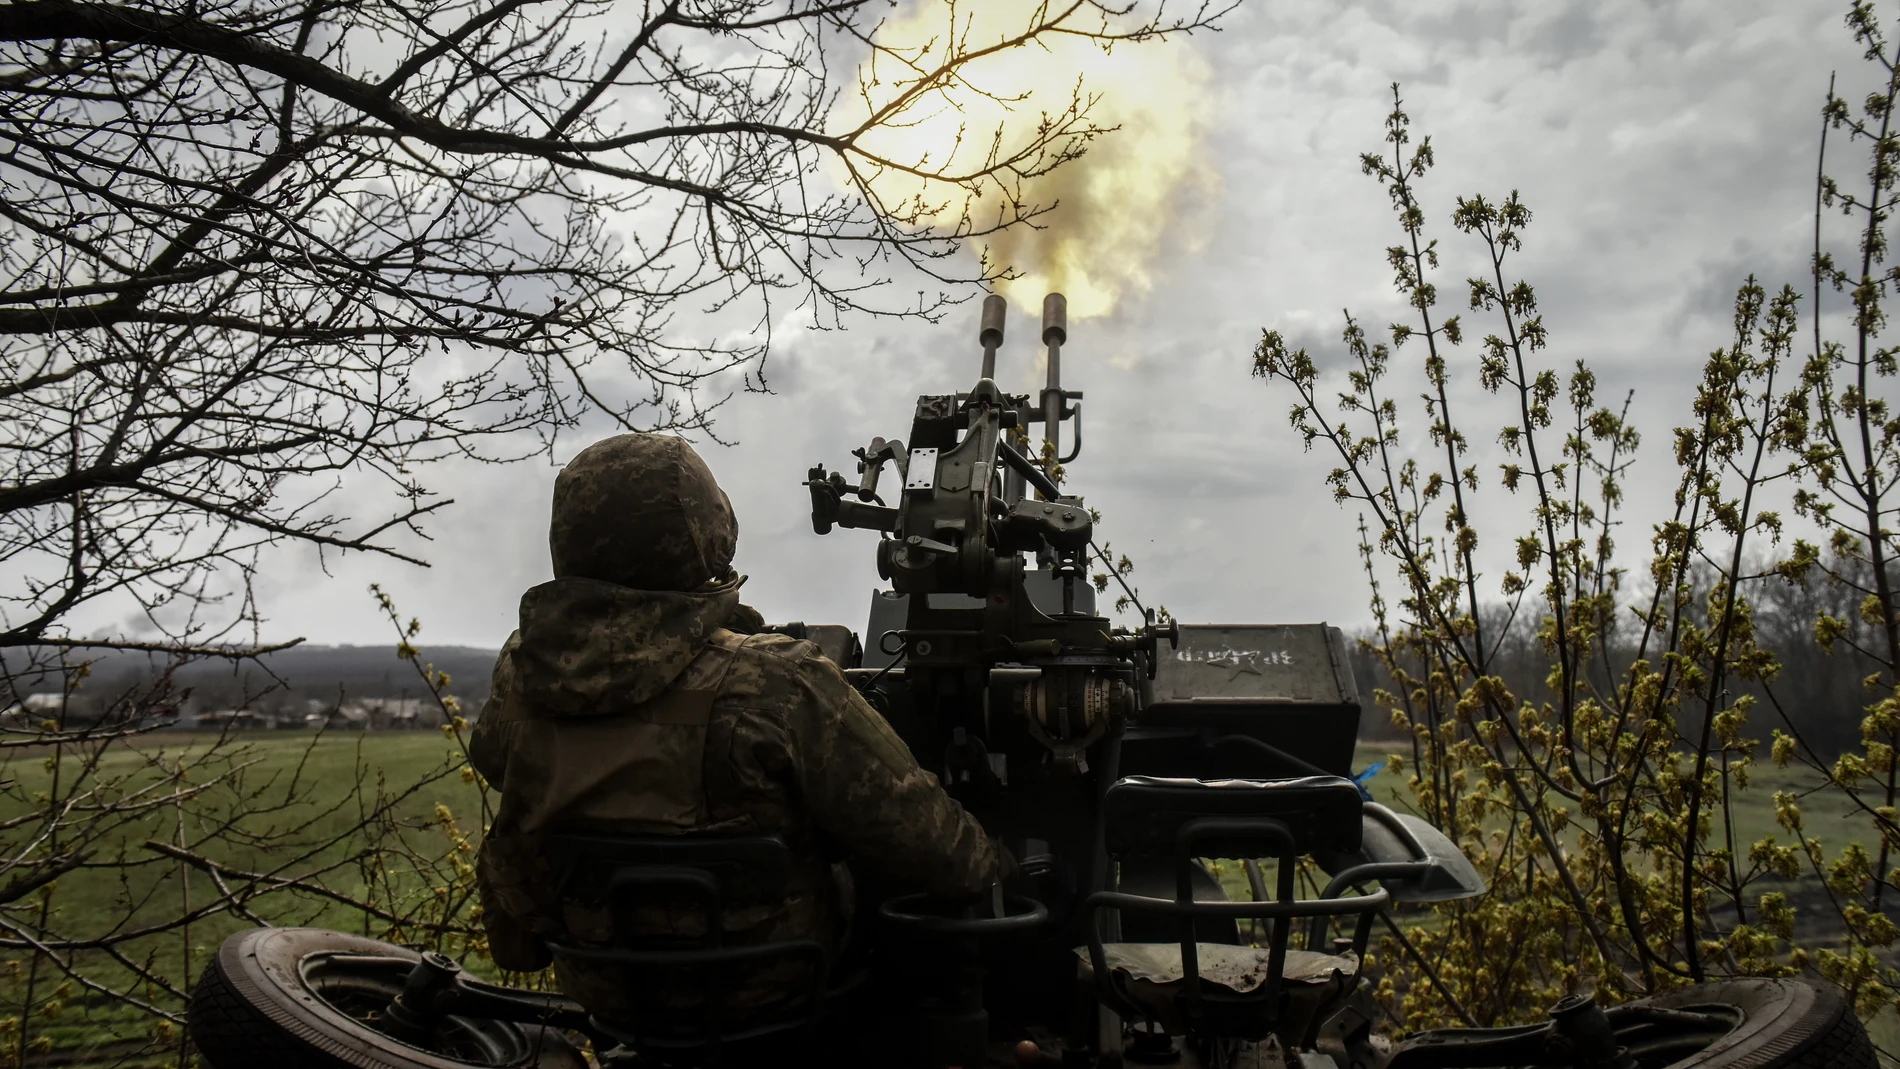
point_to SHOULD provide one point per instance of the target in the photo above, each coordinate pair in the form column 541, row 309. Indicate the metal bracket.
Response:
column 922, row 471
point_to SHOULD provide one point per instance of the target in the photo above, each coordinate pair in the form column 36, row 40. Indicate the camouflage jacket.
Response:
column 634, row 711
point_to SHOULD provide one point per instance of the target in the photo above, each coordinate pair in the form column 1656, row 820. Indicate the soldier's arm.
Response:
column 511, row 943
column 868, row 794
column 492, row 737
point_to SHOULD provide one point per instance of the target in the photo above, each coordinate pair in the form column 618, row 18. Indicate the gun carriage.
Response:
column 1111, row 761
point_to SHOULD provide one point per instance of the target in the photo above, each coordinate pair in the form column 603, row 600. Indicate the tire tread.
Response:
column 1844, row 1046
column 230, row 1032
column 1829, row 1036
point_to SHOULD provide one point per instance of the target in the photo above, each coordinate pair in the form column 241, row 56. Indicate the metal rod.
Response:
column 1321, row 928
column 1309, row 907
column 1029, row 471
column 1055, row 331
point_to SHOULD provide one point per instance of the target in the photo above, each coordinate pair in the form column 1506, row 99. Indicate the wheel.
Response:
column 306, row 998
column 1751, row 1024
column 1728, row 1024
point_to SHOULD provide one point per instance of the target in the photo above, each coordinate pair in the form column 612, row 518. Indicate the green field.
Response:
column 1828, row 815
column 318, row 787
column 315, row 790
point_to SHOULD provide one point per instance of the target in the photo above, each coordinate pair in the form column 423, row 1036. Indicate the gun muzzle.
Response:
column 990, row 335
column 1055, row 319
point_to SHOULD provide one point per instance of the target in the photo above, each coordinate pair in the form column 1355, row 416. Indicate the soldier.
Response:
column 634, row 698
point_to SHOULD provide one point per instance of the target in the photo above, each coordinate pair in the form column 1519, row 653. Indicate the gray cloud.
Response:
column 1666, row 148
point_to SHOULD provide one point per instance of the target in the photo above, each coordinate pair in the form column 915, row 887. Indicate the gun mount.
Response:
column 988, row 656
column 972, row 515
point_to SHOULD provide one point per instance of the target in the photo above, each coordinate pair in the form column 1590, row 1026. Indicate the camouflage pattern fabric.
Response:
column 641, row 510
column 649, row 711
column 745, row 620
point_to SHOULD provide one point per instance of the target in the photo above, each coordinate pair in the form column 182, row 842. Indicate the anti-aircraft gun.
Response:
column 987, row 560
column 1110, row 760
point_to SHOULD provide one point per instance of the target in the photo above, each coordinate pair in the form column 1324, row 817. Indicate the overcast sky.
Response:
column 1667, row 150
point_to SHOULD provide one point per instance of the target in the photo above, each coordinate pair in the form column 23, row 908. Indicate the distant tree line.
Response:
column 1821, row 688
column 281, row 686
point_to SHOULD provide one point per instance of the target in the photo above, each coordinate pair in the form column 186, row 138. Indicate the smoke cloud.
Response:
column 1116, row 208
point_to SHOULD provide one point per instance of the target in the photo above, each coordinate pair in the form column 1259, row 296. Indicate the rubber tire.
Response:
column 1796, row 1024
column 1786, row 1024
column 250, row 1009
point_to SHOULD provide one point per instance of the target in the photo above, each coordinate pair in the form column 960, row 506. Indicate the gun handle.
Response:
column 824, row 499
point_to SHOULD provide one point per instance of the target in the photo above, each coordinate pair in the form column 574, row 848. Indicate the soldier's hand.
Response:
column 745, row 620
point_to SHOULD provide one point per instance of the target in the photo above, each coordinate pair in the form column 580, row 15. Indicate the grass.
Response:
column 1828, row 815
column 277, row 803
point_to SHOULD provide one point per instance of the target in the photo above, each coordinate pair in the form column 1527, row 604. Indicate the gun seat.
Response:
column 1221, row 989
column 1147, row 814
column 697, row 879
column 1152, row 978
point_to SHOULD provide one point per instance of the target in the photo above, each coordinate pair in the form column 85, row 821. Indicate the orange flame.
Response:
column 1115, row 207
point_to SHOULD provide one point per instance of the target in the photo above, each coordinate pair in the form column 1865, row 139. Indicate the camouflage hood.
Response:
column 641, row 510
column 588, row 648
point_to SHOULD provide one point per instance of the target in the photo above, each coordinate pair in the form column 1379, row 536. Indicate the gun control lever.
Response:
column 871, row 461
column 1031, row 473
column 828, row 505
